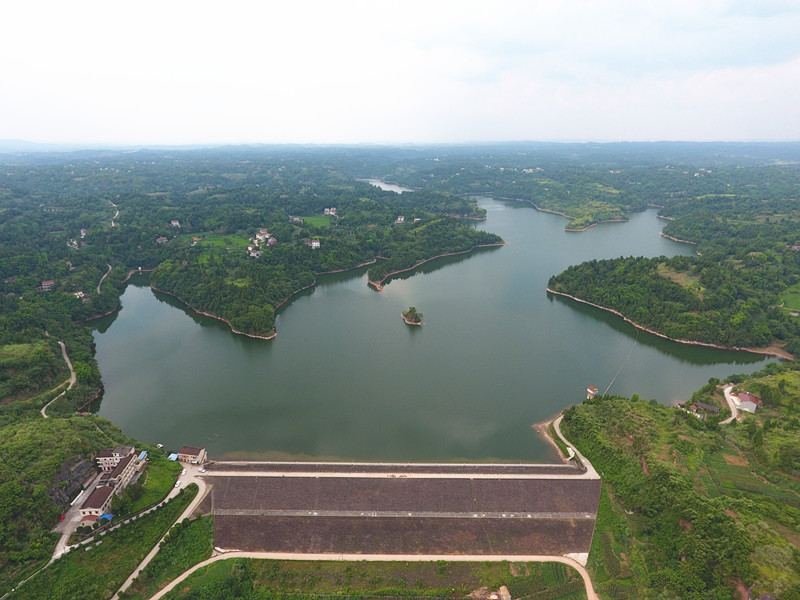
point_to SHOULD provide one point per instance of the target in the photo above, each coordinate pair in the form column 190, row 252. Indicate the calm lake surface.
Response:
column 347, row 379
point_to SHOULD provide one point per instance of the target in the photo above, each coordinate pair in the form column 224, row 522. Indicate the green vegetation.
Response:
column 318, row 220
column 731, row 293
column 37, row 454
column 737, row 203
column 188, row 543
column 28, row 368
column 97, row 570
column 731, row 311
column 412, row 317
column 790, row 298
column 244, row 579
column 411, row 244
column 158, row 480
column 687, row 511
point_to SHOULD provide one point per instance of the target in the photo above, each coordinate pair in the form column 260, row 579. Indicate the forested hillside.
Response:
column 732, row 292
column 692, row 509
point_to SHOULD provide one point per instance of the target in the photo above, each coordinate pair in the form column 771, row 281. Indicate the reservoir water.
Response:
column 347, row 379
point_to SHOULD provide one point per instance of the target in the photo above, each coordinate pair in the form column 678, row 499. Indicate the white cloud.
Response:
column 349, row 71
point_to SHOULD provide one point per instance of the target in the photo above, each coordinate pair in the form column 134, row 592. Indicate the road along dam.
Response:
column 382, row 508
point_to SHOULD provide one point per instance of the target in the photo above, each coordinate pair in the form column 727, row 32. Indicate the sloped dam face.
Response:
column 422, row 509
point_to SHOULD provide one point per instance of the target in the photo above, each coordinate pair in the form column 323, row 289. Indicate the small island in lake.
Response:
column 412, row 317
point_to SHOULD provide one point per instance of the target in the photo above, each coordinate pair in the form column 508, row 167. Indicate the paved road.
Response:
column 590, row 472
column 590, row 593
column 72, row 379
column 192, row 476
column 729, row 399
column 576, row 564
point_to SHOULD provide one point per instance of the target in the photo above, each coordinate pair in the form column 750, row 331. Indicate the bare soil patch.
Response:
column 735, row 459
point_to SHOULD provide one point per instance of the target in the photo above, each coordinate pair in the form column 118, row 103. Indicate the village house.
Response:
column 97, row 504
column 190, row 454
column 161, row 240
column 314, row 244
column 83, row 233
column 706, row 407
column 121, row 475
column 748, row 402
column 175, row 223
column 108, row 458
column 119, row 467
column 47, row 285
column 400, row 219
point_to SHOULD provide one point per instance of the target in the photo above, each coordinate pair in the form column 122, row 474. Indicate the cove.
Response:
column 347, row 379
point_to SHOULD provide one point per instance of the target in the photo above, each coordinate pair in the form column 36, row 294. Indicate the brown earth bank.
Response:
column 378, row 285
column 769, row 351
column 596, row 224
column 224, row 320
column 565, row 215
column 674, row 239
column 409, row 322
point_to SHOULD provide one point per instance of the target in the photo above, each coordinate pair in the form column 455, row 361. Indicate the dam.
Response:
column 402, row 509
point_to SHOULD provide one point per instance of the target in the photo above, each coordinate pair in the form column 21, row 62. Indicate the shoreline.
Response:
column 775, row 353
column 223, row 319
column 674, row 239
column 596, row 224
column 412, row 323
column 541, row 431
column 378, row 285
column 118, row 306
column 565, row 215
column 275, row 310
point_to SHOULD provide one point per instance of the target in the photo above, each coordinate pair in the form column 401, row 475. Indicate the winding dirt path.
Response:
column 103, row 278
column 731, row 404
column 115, row 215
column 72, row 379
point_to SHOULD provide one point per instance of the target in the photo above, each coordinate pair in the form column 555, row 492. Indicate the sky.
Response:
column 342, row 71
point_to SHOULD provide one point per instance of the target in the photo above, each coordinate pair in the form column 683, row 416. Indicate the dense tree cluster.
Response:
column 678, row 536
column 720, row 306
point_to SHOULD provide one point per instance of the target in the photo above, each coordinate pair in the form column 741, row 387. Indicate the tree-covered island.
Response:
column 412, row 317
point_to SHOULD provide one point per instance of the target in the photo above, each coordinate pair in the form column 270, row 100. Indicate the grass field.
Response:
column 246, row 579
column 791, row 298
column 12, row 354
column 161, row 476
column 318, row 220
column 187, row 544
column 222, row 241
